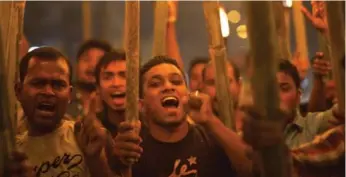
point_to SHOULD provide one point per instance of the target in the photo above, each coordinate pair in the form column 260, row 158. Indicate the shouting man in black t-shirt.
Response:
column 172, row 147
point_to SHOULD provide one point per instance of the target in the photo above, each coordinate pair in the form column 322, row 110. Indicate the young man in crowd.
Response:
column 110, row 75
column 172, row 146
column 52, row 146
column 88, row 55
column 195, row 73
column 297, row 129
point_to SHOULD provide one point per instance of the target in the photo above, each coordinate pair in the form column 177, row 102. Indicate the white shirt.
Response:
column 56, row 154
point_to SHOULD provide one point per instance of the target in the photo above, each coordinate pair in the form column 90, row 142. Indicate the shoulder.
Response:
column 318, row 116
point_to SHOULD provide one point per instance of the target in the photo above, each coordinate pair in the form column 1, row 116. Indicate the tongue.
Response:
column 119, row 100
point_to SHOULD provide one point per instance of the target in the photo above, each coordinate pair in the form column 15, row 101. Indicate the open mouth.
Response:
column 170, row 102
column 48, row 107
column 118, row 95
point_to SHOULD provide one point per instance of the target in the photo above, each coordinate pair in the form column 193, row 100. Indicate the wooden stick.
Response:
column 281, row 25
column 337, row 39
column 86, row 10
column 287, row 16
column 261, row 32
column 20, row 5
column 318, row 9
column 300, row 34
column 9, row 29
column 160, row 27
column 132, row 61
column 132, row 24
column 217, row 52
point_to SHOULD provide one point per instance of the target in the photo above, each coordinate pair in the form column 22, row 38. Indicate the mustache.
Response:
column 87, row 86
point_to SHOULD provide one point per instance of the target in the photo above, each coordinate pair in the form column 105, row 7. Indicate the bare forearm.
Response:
column 233, row 146
column 172, row 44
column 317, row 100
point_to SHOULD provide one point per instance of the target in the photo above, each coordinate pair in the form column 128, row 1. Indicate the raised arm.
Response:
column 172, row 42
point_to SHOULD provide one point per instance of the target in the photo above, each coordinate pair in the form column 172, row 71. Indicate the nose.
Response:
column 168, row 87
column 48, row 90
column 118, row 82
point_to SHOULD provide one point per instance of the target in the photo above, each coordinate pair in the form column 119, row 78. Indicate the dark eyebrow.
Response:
column 108, row 73
column 175, row 74
column 156, row 77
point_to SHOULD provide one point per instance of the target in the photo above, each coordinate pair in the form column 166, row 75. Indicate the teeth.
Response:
column 169, row 98
column 46, row 104
column 118, row 93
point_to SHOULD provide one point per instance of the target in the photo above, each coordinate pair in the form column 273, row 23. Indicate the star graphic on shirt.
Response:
column 192, row 160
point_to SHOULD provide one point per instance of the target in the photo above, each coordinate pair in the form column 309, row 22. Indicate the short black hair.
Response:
column 93, row 43
column 196, row 61
column 106, row 59
column 236, row 70
column 43, row 53
column 290, row 69
column 157, row 60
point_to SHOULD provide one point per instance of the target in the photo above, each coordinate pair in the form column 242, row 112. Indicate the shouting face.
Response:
column 45, row 92
column 112, row 87
column 163, row 89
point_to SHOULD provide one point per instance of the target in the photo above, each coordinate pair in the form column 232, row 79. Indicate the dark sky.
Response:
column 59, row 24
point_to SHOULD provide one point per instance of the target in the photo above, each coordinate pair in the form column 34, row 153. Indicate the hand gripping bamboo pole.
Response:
column 261, row 31
column 160, row 27
column 132, row 35
column 217, row 52
column 336, row 30
column 86, row 12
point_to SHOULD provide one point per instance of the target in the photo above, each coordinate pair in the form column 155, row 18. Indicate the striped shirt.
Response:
column 324, row 156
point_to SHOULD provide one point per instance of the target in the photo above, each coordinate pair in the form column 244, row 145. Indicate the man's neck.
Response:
column 35, row 131
column 168, row 135
column 291, row 118
column 115, row 117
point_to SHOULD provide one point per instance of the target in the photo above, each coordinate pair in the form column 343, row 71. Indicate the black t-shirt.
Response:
column 197, row 155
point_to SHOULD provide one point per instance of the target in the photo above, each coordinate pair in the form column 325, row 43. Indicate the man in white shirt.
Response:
column 52, row 146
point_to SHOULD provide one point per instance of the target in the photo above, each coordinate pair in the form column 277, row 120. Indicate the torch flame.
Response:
column 224, row 22
column 287, row 3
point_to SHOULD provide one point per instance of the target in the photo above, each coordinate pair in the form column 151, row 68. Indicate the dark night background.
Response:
column 59, row 24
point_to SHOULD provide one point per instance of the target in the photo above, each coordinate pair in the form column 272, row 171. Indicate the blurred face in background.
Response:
column 87, row 63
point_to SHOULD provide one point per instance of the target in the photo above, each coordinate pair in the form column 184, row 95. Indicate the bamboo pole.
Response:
column 160, row 28
column 11, row 20
column 132, row 25
column 217, row 52
column 300, row 34
column 86, row 12
column 337, row 38
column 319, row 11
column 287, row 16
column 20, row 36
column 281, row 14
column 261, row 32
